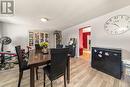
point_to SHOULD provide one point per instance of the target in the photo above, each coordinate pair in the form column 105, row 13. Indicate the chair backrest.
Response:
column 58, row 61
column 19, row 54
column 70, row 47
column 59, row 46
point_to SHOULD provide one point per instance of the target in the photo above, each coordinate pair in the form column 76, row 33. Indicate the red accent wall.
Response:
column 81, row 41
column 85, row 34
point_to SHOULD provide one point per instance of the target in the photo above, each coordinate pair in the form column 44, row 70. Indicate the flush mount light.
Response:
column 44, row 19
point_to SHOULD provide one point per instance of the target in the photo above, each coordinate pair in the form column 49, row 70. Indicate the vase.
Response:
column 45, row 50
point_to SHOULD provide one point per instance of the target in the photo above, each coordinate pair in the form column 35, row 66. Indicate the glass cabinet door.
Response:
column 31, row 40
column 41, row 37
column 46, row 37
column 37, row 38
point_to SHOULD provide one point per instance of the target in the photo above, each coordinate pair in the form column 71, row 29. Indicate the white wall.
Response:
column 52, row 40
column 99, row 36
column 19, row 35
column 72, row 32
column 0, row 29
column 0, row 32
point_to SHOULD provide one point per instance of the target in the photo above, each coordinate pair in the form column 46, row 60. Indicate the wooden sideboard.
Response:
column 107, row 60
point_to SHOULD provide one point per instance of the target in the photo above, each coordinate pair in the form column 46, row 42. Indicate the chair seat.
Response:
column 47, row 70
column 24, row 65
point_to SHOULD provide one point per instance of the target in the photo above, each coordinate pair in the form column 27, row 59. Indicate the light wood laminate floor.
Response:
column 82, row 75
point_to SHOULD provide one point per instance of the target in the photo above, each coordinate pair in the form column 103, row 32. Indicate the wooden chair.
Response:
column 23, row 64
column 57, row 67
column 29, row 48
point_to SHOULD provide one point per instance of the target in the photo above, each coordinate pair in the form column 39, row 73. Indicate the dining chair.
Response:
column 23, row 64
column 57, row 67
column 28, row 48
column 59, row 46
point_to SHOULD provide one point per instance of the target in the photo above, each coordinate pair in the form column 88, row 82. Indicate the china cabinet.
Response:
column 37, row 37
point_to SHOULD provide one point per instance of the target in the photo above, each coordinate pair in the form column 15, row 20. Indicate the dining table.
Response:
column 36, row 59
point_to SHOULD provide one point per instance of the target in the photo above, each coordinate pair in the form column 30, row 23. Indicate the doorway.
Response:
column 85, row 42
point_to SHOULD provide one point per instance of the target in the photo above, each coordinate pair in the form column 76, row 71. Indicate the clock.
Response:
column 117, row 24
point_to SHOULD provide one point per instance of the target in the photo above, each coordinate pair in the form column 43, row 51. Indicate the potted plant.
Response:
column 44, row 45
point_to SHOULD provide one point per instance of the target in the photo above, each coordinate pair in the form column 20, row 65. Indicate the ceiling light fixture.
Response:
column 44, row 19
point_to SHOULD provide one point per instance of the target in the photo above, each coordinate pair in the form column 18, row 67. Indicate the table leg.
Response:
column 68, row 70
column 2, row 59
column 32, row 77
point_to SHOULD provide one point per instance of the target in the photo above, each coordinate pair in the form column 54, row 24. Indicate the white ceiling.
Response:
column 61, row 13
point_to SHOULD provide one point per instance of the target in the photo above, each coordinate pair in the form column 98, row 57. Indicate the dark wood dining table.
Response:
column 37, row 58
